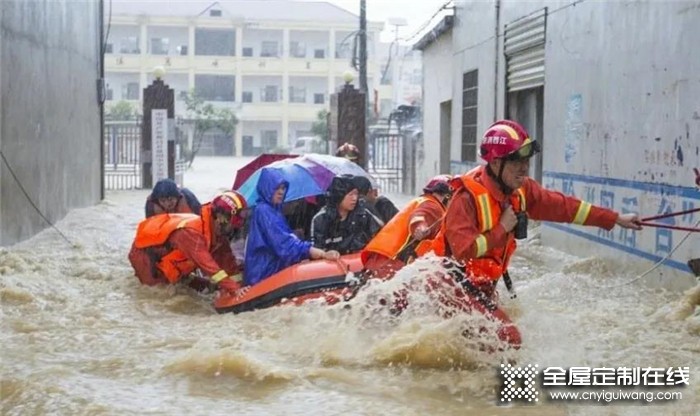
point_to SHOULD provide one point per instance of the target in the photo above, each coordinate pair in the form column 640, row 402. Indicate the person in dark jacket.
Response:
column 299, row 214
column 271, row 245
column 168, row 198
column 343, row 224
column 380, row 206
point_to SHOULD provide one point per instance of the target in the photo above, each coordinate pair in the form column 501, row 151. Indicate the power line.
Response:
column 500, row 34
column 427, row 22
column 12, row 172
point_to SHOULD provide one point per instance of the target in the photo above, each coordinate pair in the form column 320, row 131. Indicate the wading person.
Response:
column 169, row 247
column 168, row 198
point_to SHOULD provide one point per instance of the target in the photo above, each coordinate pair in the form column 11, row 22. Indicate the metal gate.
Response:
column 391, row 159
column 122, row 141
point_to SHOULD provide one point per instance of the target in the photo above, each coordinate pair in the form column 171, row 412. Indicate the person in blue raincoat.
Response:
column 272, row 245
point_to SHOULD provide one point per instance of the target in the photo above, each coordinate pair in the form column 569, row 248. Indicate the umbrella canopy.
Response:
column 307, row 175
column 263, row 160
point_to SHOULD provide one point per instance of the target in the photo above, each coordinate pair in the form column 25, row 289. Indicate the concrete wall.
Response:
column 621, row 114
column 437, row 87
column 49, row 114
column 473, row 47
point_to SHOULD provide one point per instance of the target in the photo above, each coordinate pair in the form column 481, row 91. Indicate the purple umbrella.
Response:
column 307, row 175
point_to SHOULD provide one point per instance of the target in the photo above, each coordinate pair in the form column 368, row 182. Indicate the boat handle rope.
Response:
column 344, row 267
column 658, row 263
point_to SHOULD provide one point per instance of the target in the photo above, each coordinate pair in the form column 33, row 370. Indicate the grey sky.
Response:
column 416, row 12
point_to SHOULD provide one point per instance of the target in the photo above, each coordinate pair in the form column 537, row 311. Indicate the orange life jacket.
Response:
column 156, row 230
column 395, row 236
column 490, row 266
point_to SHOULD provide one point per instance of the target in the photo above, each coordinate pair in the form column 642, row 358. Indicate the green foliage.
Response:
column 121, row 110
column 206, row 117
column 319, row 127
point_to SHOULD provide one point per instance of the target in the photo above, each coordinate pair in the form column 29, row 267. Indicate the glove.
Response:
column 229, row 285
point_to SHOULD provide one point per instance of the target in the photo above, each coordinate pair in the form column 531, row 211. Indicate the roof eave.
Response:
column 444, row 26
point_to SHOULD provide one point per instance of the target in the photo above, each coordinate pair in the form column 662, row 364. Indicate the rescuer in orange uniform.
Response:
column 410, row 233
column 168, row 247
column 491, row 204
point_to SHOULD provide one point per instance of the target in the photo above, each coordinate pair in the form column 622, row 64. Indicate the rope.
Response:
column 657, row 265
column 32, row 202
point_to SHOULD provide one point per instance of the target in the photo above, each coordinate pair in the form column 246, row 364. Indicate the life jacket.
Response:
column 489, row 266
column 155, row 232
column 395, row 236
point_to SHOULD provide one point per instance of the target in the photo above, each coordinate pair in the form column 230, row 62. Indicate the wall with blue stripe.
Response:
column 647, row 199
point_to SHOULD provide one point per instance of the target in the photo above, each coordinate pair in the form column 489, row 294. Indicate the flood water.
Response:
column 81, row 336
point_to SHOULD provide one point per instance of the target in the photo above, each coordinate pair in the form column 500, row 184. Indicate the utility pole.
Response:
column 363, row 46
column 363, row 82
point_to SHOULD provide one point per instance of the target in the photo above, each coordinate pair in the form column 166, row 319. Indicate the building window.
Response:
column 247, row 51
column 269, row 94
column 109, row 93
column 470, row 92
column 297, row 49
column 130, row 45
column 319, row 98
column 247, row 97
column 159, row 46
column 268, row 139
column 130, row 91
column 214, row 42
column 269, row 49
column 319, row 53
column 215, row 87
column 215, row 13
column 297, row 95
column 182, row 49
column 108, row 48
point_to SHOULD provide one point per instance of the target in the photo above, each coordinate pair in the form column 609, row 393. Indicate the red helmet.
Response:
column 509, row 140
column 348, row 151
column 232, row 204
column 439, row 184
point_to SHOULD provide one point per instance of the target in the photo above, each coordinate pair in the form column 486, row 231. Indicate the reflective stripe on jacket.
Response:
column 489, row 264
column 395, row 236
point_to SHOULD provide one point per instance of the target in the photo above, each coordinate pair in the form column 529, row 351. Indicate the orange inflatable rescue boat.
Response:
column 334, row 280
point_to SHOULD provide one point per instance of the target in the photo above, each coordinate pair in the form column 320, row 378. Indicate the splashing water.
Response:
column 81, row 336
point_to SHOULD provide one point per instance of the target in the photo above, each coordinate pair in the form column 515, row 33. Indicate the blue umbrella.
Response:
column 307, row 175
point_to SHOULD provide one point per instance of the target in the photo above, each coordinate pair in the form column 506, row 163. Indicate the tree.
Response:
column 122, row 110
column 320, row 126
column 205, row 117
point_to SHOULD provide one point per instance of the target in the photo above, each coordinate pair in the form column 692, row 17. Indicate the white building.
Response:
column 273, row 62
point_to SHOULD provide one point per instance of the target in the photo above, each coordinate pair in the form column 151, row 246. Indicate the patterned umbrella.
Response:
column 307, row 175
